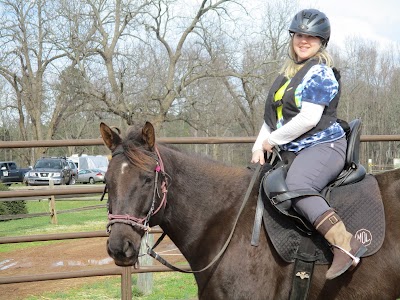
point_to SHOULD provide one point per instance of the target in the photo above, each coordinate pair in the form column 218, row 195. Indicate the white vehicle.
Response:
column 90, row 161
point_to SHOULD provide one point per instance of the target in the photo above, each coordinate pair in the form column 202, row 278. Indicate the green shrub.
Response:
column 12, row 207
column 4, row 187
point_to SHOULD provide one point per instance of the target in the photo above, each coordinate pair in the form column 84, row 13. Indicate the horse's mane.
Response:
column 203, row 164
column 140, row 156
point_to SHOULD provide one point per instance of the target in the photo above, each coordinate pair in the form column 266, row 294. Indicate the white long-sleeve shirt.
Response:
column 306, row 119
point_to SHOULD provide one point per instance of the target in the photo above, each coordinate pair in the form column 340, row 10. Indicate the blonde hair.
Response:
column 290, row 68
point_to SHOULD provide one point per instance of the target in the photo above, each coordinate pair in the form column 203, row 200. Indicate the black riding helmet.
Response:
column 312, row 22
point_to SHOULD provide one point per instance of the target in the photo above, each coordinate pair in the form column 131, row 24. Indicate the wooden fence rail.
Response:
column 125, row 273
column 43, row 214
column 172, row 140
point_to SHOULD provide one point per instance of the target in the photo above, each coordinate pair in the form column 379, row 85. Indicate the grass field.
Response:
column 171, row 285
column 89, row 220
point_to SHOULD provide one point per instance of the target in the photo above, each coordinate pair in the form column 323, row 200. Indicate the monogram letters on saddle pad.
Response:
column 360, row 207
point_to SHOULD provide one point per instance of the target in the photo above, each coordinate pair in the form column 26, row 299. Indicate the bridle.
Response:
column 143, row 223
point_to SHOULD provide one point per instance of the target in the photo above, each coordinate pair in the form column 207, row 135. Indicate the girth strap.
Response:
column 303, row 269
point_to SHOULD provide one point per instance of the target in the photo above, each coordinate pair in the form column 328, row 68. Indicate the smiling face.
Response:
column 305, row 46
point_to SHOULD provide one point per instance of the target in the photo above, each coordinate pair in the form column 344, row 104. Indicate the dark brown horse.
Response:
column 204, row 197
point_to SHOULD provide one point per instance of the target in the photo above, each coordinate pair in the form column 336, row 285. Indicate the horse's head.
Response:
column 133, row 182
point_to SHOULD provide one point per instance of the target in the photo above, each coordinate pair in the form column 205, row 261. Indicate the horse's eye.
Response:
column 146, row 179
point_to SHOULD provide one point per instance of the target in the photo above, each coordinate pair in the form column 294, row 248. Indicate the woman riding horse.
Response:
column 300, row 116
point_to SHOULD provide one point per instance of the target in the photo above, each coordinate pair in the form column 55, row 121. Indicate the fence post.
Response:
column 126, row 284
column 370, row 165
column 145, row 280
column 52, row 206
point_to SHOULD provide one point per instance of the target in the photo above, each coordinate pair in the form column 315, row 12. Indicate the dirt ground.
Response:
column 72, row 255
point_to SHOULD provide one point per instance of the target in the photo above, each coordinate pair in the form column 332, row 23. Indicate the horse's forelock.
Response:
column 137, row 155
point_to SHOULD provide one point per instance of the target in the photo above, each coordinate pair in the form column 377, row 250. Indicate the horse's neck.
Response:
column 203, row 200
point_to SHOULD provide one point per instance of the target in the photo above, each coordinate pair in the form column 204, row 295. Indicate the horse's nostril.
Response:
column 128, row 248
column 127, row 244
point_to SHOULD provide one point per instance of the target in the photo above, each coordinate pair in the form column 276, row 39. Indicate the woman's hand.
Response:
column 258, row 157
column 267, row 146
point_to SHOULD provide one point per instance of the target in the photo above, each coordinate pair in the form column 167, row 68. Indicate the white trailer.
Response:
column 90, row 161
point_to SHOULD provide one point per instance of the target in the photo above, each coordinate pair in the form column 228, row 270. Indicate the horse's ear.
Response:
column 148, row 135
column 110, row 137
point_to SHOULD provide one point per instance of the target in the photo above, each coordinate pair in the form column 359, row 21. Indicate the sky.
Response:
column 377, row 20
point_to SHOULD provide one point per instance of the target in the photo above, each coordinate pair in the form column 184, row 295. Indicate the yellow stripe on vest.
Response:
column 278, row 96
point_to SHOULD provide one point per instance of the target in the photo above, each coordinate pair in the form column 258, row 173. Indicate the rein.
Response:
column 142, row 223
column 150, row 251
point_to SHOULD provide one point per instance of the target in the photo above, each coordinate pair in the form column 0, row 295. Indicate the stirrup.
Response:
column 355, row 259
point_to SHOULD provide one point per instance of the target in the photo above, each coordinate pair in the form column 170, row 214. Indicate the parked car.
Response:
column 74, row 171
column 50, row 168
column 10, row 173
column 91, row 176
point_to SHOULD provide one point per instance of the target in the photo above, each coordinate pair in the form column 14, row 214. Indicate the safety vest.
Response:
column 283, row 104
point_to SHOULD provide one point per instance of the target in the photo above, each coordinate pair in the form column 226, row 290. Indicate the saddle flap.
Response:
column 360, row 207
column 276, row 183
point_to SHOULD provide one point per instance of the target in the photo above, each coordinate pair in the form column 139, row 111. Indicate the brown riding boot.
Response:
column 347, row 250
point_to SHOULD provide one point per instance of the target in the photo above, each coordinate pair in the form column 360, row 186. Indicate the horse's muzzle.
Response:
column 123, row 252
column 124, row 248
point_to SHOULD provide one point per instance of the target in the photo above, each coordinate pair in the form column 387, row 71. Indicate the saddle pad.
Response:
column 360, row 207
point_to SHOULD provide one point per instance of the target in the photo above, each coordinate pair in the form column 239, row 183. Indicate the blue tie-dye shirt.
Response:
column 318, row 86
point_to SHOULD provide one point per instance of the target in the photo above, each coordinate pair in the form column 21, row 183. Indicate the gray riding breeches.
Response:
column 313, row 168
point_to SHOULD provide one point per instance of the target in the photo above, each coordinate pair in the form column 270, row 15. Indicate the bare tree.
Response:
column 159, row 21
column 27, row 54
column 369, row 92
column 261, row 55
column 99, row 31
